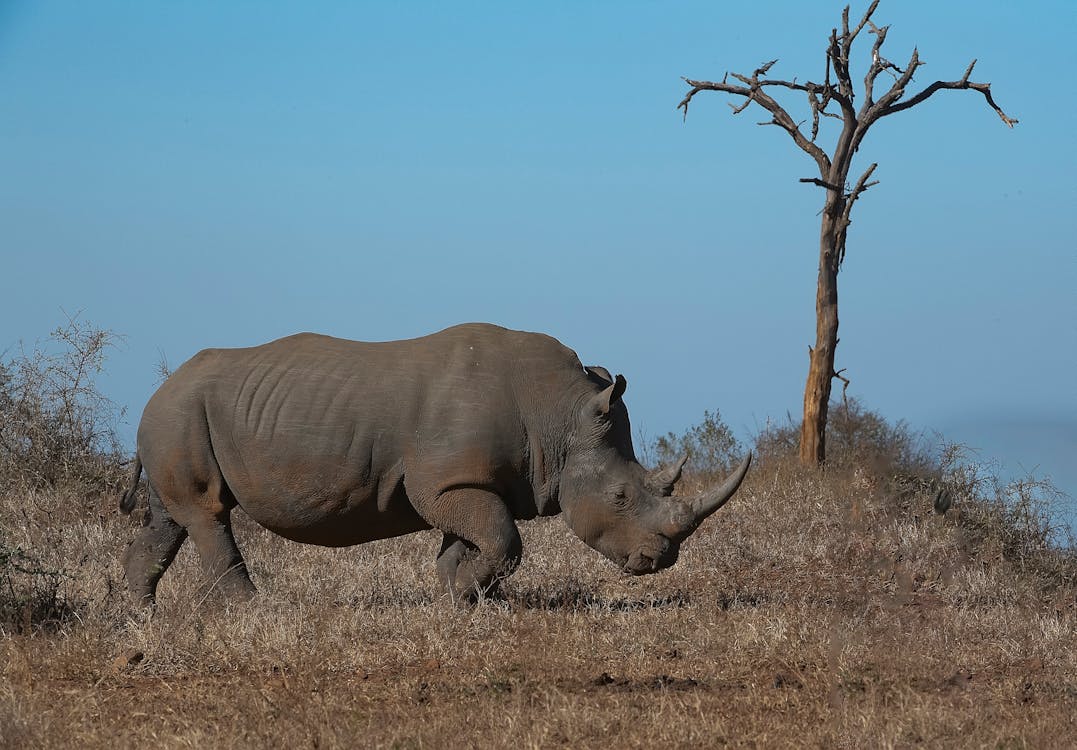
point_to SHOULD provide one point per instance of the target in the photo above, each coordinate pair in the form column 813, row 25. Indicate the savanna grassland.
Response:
column 833, row 609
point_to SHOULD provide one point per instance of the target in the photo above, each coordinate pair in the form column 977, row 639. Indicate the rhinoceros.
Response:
column 335, row 442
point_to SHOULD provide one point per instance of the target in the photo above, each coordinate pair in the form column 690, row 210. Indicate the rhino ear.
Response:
column 600, row 403
column 599, row 372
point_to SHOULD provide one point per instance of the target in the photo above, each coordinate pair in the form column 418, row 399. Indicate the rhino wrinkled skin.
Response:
column 335, row 442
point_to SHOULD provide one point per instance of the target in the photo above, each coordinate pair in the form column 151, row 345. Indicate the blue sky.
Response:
column 193, row 174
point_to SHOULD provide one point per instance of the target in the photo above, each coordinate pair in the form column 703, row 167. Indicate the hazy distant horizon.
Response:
column 1043, row 446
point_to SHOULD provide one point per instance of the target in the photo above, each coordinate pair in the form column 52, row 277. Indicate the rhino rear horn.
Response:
column 661, row 480
column 710, row 501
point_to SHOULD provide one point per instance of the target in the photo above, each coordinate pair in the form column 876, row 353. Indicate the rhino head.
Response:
column 615, row 505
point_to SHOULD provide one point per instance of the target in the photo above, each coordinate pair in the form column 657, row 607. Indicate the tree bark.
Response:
column 821, row 357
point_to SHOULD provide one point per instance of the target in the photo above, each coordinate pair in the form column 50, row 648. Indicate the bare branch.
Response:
column 838, row 55
column 818, row 101
column 861, row 185
column 736, row 110
column 753, row 92
column 963, row 85
column 898, row 89
column 821, row 183
column 809, row 86
column 762, row 69
column 845, row 383
column 816, row 108
column 863, row 21
column 783, row 120
column 839, row 59
column 869, row 115
column 698, row 86
column 878, row 65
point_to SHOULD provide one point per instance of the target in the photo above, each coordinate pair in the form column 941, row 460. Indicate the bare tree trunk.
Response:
column 821, row 357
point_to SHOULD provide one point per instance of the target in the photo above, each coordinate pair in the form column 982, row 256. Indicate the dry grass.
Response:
column 826, row 611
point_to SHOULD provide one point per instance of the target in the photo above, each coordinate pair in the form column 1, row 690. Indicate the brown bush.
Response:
column 56, row 427
column 710, row 446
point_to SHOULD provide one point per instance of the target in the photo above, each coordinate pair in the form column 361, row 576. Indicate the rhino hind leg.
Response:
column 481, row 544
column 222, row 562
column 200, row 502
column 152, row 551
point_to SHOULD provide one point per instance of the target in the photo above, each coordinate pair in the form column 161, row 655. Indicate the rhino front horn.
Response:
column 705, row 504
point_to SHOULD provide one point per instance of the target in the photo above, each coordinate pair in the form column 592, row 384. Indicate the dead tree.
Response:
column 835, row 97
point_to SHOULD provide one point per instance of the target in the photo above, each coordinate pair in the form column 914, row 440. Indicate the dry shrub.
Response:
column 856, row 437
column 1015, row 521
column 29, row 592
column 710, row 446
column 57, row 441
column 900, row 475
column 56, row 427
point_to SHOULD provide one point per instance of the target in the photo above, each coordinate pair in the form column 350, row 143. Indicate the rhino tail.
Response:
column 127, row 499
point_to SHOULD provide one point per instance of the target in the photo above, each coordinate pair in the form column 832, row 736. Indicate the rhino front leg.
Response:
column 207, row 517
column 453, row 551
column 481, row 545
column 222, row 563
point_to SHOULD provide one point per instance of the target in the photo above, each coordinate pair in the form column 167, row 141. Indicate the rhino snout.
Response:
column 646, row 561
column 639, row 564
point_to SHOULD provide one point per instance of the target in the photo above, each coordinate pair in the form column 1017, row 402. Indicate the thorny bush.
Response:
column 711, row 447
column 30, row 591
column 57, row 429
column 57, row 440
